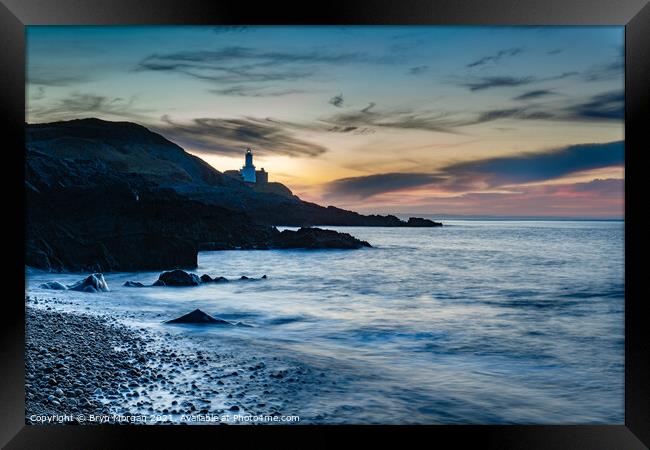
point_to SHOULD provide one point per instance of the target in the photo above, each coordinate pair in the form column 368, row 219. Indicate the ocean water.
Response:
column 475, row 322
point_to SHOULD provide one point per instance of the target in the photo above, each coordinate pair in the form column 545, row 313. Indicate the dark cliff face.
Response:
column 107, row 196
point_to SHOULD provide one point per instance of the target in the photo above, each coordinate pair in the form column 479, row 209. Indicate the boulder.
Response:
column 159, row 283
column 92, row 283
column 317, row 238
column 179, row 278
column 198, row 317
column 220, row 280
column 133, row 284
column 205, row 278
column 420, row 222
column 245, row 278
column 54, row 285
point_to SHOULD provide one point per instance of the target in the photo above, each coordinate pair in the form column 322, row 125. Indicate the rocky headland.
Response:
column 115, row 196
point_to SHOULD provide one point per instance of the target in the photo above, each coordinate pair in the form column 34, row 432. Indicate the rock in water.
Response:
column 244, row 277
column 205, row 278
column 179, row 278
column 220, row 280
column 420, row 222
column 54, row 285
column 314, row 238
column 198, row 316
column 92, row 283
column 133, row 284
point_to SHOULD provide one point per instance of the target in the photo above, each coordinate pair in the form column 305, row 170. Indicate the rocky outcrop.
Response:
column 317, row 238
column 115, row 196
column 133, row 284
column 92, row 283
column 198, row 317
column 420, row 222
column 179, row 278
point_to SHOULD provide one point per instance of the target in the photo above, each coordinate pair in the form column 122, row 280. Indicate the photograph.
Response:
column 324, row 225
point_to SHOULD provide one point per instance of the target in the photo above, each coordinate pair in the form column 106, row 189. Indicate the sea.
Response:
column 478, row 321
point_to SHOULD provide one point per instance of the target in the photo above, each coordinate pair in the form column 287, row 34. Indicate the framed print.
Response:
column 385, row 220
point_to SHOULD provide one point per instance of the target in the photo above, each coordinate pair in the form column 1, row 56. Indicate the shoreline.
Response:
column 82, row 366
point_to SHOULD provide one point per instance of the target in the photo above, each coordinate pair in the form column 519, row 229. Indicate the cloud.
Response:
column 418, row 70
column 532, row 167
column 605, row 106
column 82, row 105
column 554, row 51
column 508, row 172
column 596, row 198
column 337, row 100
column 490, row 82
column 41, row 78
column 530, row 95
column 513, row 113
column 606, row 71
column 370, row 118
column 254, row 91
column 368, row 186
column 238, row 64
column 496, row 57
column 230, row 136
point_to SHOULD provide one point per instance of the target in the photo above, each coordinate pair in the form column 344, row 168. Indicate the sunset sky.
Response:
column 513, row 121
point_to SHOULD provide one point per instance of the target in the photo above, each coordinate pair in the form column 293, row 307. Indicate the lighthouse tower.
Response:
column 248, row 171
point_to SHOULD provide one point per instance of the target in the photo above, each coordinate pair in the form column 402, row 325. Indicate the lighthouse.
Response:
column 248, row 171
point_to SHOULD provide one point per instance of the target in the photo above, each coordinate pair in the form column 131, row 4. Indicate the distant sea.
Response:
column 480, row 321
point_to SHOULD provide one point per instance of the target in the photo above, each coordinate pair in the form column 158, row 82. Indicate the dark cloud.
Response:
column 489, row 82
column 605, row 71
column 532, row 167
column 337, row 100
column 237, row 64
column 496, row 57
column 367, row 186
column 53, row 80
column 606, row 106
column 254, row 91
column 513, row 113
column 596, row 198
column 82, row 105
column 530, row 95
column 498, row 172
column 370, row 117
column 610, row 187
column 418, row 70
column 229, row 136
column 498, row 81
column 224, row 74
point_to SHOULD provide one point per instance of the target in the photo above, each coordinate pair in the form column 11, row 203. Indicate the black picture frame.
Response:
column 633, row 14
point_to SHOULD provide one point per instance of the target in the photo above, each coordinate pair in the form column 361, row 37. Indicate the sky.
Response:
column 449, row 120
